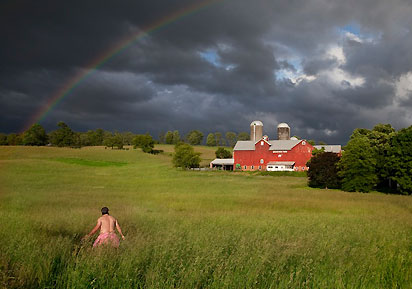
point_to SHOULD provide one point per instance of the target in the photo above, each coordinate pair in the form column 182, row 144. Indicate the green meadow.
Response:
column 190, row 229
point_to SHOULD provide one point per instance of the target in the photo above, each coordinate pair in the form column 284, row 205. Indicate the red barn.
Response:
column 272, row 155
column 284, row 154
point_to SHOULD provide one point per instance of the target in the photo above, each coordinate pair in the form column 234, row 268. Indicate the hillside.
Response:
column 190, row 229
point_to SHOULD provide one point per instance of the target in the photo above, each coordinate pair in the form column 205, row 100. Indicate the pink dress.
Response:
column 107, row 238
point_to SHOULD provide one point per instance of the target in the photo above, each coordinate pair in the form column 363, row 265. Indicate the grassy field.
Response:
column 190, row 229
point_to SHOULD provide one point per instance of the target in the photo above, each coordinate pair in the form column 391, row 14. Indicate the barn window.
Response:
column 251, row 167
column 279, row 156
column 260, row 167
column 303, row 143
column 245, row 167
column 261, row 161
column 261, row 143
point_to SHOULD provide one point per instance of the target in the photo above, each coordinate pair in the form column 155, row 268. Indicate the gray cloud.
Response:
column 215, row 70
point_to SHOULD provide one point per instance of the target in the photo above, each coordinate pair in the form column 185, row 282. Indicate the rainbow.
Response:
column 109, row 54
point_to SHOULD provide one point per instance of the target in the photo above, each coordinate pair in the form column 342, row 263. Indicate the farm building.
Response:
column 282, row 154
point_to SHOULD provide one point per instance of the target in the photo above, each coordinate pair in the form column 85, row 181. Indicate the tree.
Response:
column 96, row 137
column 399, row 160
column 118, row 140
column 162, row 137
column 127, row 137
column 312, row 142
column 194, row 137
column 222, row 153
column 358, row 165
column 3, row 139
column 35, row 136
column 211, row 140
column 144, row 141
column 85, row 139
column 185, row 156
column 219, row 140
column 14, row 139
column 62, row 137
column 231, row 138
column 109, row 140
column 169, row 137
column 243, row 136
column 323, row 170
column 176, row 137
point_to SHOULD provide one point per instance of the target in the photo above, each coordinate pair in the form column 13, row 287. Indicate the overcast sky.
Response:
column 324, row 67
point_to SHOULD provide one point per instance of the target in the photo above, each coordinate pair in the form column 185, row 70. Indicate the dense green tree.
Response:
column 222, row 153
column 185, row 156
column 85, row 139
column 109, row 140
column 220, row 141
column 35, row 136
column 14, row 139
column 3, row 139
column 145, row 142
column 399, row 160
column 118, row 140
column 63, row 136
column 194, row 137
column 169, row 137
column 323, row 170
column 176, row 137
column 231, row 138
column 211, row 140
column 96, row 137
column 243, row 136
column 128, row 137
column 358, row 165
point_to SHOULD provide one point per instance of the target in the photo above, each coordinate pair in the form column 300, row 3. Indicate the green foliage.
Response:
column 219, row 139
column 144, row 141
column 194, row 137
column 211, row 140
column 316, row 151
column 323, row 170
column 62, row 137
column 96, row 137
column 243, row 136
column 3, row 139
column 176, row 137
column 399, row 160
column 231, row 138
column 35, row 136
column 358, row 165
column 222, row 153
column 14, row 139
column 185, row 156
column 311, row 141
column 169, row 137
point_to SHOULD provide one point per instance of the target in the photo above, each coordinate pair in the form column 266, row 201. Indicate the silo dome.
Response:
column 256, row 122
column 256, row 130
column 283, row 131
column 283, row 124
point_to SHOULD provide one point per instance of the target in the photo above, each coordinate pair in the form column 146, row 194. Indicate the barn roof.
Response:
column 223, row 161
column 275, row 145
column 330, row 148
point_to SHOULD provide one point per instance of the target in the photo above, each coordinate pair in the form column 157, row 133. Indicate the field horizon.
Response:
column 190, row 229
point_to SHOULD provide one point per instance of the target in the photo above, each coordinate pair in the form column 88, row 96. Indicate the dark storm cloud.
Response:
column 216, row 69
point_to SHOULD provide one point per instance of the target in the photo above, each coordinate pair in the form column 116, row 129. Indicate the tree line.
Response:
column 196, row 137
column 64, row 136
column 377, row 159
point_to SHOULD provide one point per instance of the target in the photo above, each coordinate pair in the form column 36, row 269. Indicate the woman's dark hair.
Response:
column 105, row 210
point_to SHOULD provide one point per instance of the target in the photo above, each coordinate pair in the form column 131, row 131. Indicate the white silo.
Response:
column 256, row 130
column 283, row 131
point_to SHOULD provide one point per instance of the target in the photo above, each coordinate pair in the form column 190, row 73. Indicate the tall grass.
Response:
column 190, row 229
